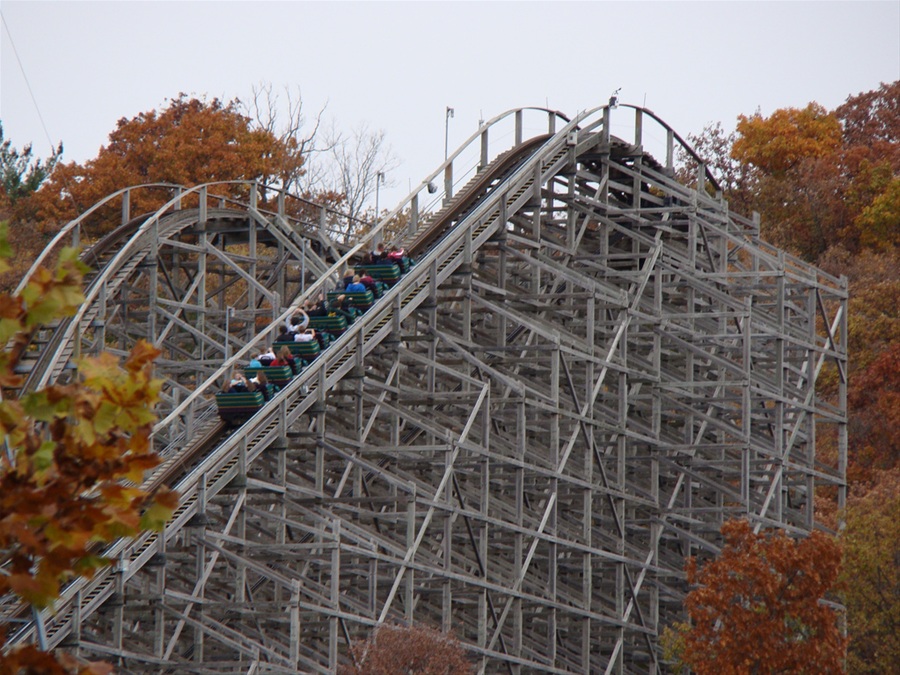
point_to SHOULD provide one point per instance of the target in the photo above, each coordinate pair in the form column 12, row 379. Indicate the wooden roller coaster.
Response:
column 589, row 368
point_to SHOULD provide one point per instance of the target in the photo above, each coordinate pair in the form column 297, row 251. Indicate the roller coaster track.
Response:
column 129, row 244
column 537, row 219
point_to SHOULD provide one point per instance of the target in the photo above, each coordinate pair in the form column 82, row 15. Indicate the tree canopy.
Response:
column 188, row 142
column 871, row 575
column 757, row 608
column 21, row 173
column 414, row 650
column 826, row 186
column 778, row 143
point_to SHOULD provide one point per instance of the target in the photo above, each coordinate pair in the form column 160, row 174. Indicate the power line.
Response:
column 27, row 83
column 37, row 108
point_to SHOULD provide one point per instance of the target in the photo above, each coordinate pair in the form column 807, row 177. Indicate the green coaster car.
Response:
column 361, row 300
column 305, row 351
column 389, row 274
column 236, row 408
column 335, row 324
column 277, row 375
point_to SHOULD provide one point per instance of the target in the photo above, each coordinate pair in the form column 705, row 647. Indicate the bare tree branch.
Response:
column 289, row 125
column 358, row 159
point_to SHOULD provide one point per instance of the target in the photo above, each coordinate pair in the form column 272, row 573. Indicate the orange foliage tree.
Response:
column 397, row 650
column 878, row 222
column 870, row 161
column 793, row 157
column 758, row 608
column 875, row 403
column 811, row 173
column 873, row 324
column 789, row 136
column 187, row 142
column 826, row 187
column 871, row 123
column 68, row 450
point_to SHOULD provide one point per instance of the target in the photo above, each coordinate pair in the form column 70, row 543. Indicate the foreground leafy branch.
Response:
column 74, row 456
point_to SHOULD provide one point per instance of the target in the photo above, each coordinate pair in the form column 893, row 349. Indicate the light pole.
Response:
column 449, row 114
column 379, row 181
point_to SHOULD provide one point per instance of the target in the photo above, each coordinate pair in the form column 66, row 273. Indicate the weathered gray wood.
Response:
column 567, row 395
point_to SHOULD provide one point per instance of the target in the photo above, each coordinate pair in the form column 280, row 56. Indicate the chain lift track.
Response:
column 589, row 368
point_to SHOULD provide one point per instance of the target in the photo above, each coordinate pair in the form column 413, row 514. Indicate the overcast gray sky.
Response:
column 397, row 65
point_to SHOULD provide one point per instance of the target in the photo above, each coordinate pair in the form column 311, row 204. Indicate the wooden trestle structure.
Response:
column 589, row 369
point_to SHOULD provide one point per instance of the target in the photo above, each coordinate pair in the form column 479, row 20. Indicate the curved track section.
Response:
column 587, row 370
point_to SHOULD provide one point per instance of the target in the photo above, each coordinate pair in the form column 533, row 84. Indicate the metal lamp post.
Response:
column 379, row 181
column 449, row 114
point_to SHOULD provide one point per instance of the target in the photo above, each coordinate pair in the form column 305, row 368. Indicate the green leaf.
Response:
column 156, row 517
column 86, row 565
column 68, row 257
column 43, row 311
column 106, row 417
column 39, row 406
column 8, row 328
column 43, row 458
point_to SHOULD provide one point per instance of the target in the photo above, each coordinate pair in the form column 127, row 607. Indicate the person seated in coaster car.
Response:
column 376, row 287
column 267, row 357
column 379, row 254
column 237, row 385
column 347, row 277
column 307, row 335
column 317, row 308
column 356, row 286
column 261, row 383
column 285, row 358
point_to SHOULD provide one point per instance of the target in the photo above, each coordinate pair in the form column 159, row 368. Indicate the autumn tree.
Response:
column 818, row 178
column 187, row 142
column 871, row 123
column 70, row 448
column 714, row 146
column 878, row 222
column 417, row 650
column 793, row 156
column 826, row 187
column 873, row 324
column 871, row 575
column 759, row 606
column 789, row 136
column 870, row 161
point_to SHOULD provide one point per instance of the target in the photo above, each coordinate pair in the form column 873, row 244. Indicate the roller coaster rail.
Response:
column 588, row 369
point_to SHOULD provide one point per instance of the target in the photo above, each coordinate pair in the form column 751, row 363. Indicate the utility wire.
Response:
column 53, row 148
column 27, row 83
